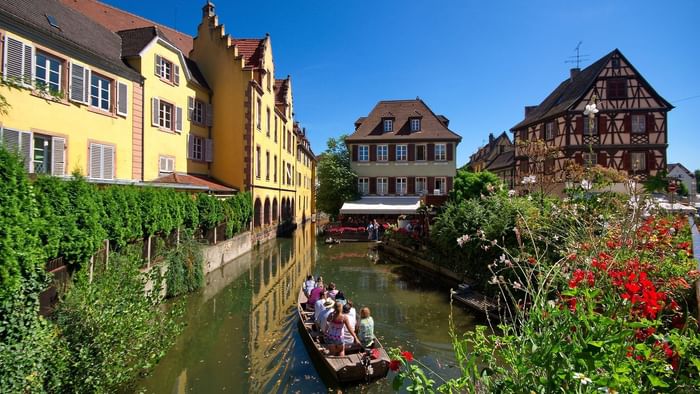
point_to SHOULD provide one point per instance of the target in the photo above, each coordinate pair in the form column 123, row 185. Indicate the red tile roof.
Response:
column 116, row 19
column 252, row 50
column 195, row 180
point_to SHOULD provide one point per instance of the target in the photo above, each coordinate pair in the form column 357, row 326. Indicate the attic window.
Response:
column 415, row 124
column 615, row 63
column 52, row 21
column 388, row 125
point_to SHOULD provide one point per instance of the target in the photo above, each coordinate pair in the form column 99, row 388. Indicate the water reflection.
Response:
column 241, row 331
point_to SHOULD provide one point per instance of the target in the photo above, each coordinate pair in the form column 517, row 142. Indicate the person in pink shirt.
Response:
column 314, row 296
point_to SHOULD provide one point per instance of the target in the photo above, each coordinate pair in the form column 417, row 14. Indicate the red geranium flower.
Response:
column 394, row 365
column 408, row 356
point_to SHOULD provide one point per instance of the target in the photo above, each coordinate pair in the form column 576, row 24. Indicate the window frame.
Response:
column 416, row 124
column 198, row 141
column 425, row 152
column 616, row 89
column 388, row 125
column 589, row 159
column 642, row 164
column 403, row 149
column 443, row 188
column 384, row 190
column 162, row 105
column 198, row 112
column 444, row 152
column 586, row 126
column 385, row 155
column 168, row 159
column 259, row 114
column 643, row 123
column 109, row 82
column 403, row 190
column 47, row 83
column 360, row 150
column 424, row 182
column 549, row 133
column 258, row 162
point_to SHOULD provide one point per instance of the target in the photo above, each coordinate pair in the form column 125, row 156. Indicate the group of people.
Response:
column 373, row 229
column 336, row 318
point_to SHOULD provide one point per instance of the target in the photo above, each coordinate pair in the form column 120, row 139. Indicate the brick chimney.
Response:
column 529, row 109
column 574, row 72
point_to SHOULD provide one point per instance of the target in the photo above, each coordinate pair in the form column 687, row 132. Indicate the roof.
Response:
column 116, row 19
column 135, row 40
column 432, row 127
column 503, row 160
column 252, row 50
column 571, row 91
column 87, row 40
column 485, row 151
column 382, row 205
column 195, row 180
column 672, row 166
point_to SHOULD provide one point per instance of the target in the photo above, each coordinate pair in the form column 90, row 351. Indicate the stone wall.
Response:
column 217, row 255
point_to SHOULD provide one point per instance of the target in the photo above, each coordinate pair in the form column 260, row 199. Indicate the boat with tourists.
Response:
column 359, row 364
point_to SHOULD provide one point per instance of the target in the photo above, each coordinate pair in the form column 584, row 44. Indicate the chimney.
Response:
column 491, row 140
column 529, row 109
column 208, row 9
column 574, row 72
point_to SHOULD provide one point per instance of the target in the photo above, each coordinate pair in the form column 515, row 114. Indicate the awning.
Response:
column 382, row 205
column 676, row 207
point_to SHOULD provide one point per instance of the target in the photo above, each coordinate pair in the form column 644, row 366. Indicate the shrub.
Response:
column 468, row 184
column 185, row 270
column 114, row 332
column 211, row 212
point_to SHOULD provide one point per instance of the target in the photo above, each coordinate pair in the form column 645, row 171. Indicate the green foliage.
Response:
column 122, row 221
column 211, row 211
column 697, row 181
column 656, row 183
column 468, row 184
column 113, row 331
column 185, row 268
column 238, row 210
column 337, row 181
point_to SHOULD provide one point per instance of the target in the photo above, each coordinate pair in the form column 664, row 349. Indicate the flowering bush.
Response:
column 599, row 301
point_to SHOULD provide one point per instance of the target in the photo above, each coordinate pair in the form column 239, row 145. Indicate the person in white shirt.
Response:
column 322, row 321
column 318, row 306
column 309, row 285
column 351, row 313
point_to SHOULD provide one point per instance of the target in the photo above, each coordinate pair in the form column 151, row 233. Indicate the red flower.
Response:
column 408, row 356
column 394, row 365
column 571, row 257
column 572, row 304
column 374, row 353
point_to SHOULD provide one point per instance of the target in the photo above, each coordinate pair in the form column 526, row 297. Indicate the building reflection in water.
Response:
column 277, row 281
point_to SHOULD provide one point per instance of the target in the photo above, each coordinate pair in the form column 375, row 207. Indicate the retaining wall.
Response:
column 217, row 255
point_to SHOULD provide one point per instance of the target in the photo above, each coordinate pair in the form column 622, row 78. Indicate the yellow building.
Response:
column 76, row 105
column 177, row 113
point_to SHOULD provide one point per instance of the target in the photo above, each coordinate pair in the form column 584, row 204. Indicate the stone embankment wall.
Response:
column 217, row 255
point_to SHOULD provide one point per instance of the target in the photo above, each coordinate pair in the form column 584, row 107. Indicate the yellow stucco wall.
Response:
column 160, row 142
column 79, row 124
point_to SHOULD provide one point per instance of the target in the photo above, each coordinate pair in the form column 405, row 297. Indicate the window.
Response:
column 617, row 88
column 615, row 63
column 258, row 161
column 523, row 134
column 268, row 122
column 267, row 165
column 401, row 152
column 197, row 150
column 47, row 73
column 639, row 123
column 196, row 110
column 415, row 124
column 167, row 70
column 401, row 186
column 421, row 185
column 587, row 126
column 589, row 159
column 363, row 153
column 166, row 164
column 102, row 161
column 269, row 81
column 274, row 171
column 276, row 122
column 638, row 161
column 284, row 140
column 165, row 115
column 382, row 152
column 388, row 125
column 440, row 186
column 259, row 113
column 382, row 186
column 100, row 92
column 440, row 152
column 549, row 131
column 42, row 154
column 420, row 152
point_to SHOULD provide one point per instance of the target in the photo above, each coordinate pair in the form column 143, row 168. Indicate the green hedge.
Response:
column 75, row 216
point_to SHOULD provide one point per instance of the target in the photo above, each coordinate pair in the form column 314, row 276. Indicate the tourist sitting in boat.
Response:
column 326, row 310
column 338, row 324
column 314, row 296
column 318, row 305
column 340, row 297
column 309, row 285
column 349, row 311
column 365, row 328
column 332, row 291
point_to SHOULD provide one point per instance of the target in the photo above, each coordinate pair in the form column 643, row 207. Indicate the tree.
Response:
column 470, row 184
column 337, row 182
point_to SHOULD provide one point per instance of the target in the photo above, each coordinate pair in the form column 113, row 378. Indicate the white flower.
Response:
column 462, row 240
column 517, row 285
column 511, row 193
column 551, row 304
column 583, row 379
column 502, row 259
column 586, row 184
column 668, row 367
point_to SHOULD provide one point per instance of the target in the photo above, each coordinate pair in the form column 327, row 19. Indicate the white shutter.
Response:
column 208, row 150
column 26, row 148
column 10, row 140
column 86, row 86
column 190, row 107
column 208, row 114
column 158, row 63
column 95, row 161
column 58, row 156
column 176, row 74
column 178, row 119
column 155, row 106
column 77, row 83
column 162, row 164
column 190, row 146
column 122, row 98
column 107, row 162
column 171, row 164
column 28, row 61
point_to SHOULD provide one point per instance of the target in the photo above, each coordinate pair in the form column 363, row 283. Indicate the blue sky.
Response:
column 478, row 63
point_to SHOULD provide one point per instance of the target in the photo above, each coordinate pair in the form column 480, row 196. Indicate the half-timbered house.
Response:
column 629, row 131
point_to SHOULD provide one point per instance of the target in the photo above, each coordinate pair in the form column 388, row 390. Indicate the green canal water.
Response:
column 241, row 331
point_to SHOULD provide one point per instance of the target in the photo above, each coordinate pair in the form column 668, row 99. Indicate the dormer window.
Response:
column 415, row 124
column 388, row 125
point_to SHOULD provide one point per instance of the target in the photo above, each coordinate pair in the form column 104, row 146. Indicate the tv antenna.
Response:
column 578, row 58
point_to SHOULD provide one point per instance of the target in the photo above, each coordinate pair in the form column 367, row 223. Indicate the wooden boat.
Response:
column 358, row 364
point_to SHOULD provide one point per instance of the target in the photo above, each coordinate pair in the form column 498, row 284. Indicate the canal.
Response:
column 241, row 331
